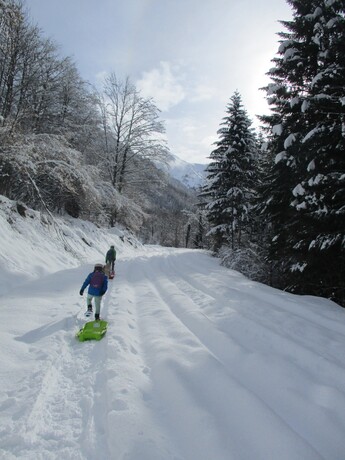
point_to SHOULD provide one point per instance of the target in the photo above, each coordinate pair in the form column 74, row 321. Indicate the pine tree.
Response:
column 230, row 177
column 305, row 198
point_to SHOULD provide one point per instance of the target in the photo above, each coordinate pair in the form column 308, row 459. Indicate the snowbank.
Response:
column 33, row 244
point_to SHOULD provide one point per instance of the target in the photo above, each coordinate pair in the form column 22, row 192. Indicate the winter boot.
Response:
column 96, row 316
column 89, row 308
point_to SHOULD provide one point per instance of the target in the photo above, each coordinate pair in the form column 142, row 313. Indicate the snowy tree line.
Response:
column 66, row 147
column 274, row 201
column 277, row 209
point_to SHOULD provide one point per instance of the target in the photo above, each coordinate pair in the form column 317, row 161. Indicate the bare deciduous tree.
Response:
column 131, row 128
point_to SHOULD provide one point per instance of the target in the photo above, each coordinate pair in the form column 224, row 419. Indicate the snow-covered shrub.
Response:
column 46, row 174
column 248, row 261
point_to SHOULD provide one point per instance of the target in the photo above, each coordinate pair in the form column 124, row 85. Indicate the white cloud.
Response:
column 202, row 93
column 189, row 129
column 189, row 139
column 208, row 142
column 163, row 85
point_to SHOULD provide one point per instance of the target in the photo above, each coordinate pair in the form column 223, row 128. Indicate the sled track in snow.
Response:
column 66, row 400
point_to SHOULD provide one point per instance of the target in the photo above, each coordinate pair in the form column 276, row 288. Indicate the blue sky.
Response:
column 189, row 55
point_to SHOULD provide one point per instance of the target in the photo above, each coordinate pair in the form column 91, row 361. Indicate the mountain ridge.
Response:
column 192, row 175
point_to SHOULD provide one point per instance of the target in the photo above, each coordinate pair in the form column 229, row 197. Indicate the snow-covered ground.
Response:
column 198, row 363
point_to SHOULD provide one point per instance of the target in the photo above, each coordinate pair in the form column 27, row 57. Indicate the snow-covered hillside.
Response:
column 190, row 174
column 198, row 363
column 34, row 244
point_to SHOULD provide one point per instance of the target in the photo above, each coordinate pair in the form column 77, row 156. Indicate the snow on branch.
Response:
column 277, row 129
column 289, row 141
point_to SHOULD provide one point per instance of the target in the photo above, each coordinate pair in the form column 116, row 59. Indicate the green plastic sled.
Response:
column 93, row 330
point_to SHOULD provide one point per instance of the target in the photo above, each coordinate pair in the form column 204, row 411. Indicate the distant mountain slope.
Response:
column 190, row 174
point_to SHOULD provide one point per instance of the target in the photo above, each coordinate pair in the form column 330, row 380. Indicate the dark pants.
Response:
column 112, row 263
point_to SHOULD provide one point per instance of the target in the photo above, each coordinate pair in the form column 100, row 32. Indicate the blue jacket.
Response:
column 95, row 291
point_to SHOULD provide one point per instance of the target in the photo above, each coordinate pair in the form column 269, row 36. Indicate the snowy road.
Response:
column 199, row 363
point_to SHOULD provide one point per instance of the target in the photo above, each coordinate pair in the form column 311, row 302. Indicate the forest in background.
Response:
column 273, row 204
column 68, row 148
column 277, row 212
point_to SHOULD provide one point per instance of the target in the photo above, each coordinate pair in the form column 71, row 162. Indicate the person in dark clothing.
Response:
column 98, row 285
column 111, row 257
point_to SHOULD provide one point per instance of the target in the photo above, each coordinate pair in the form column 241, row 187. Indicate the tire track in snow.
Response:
column 325, row 319
column 298, row 332
column 166, row 333
column 151, row 314
column 271, row 376
column 133, row 431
